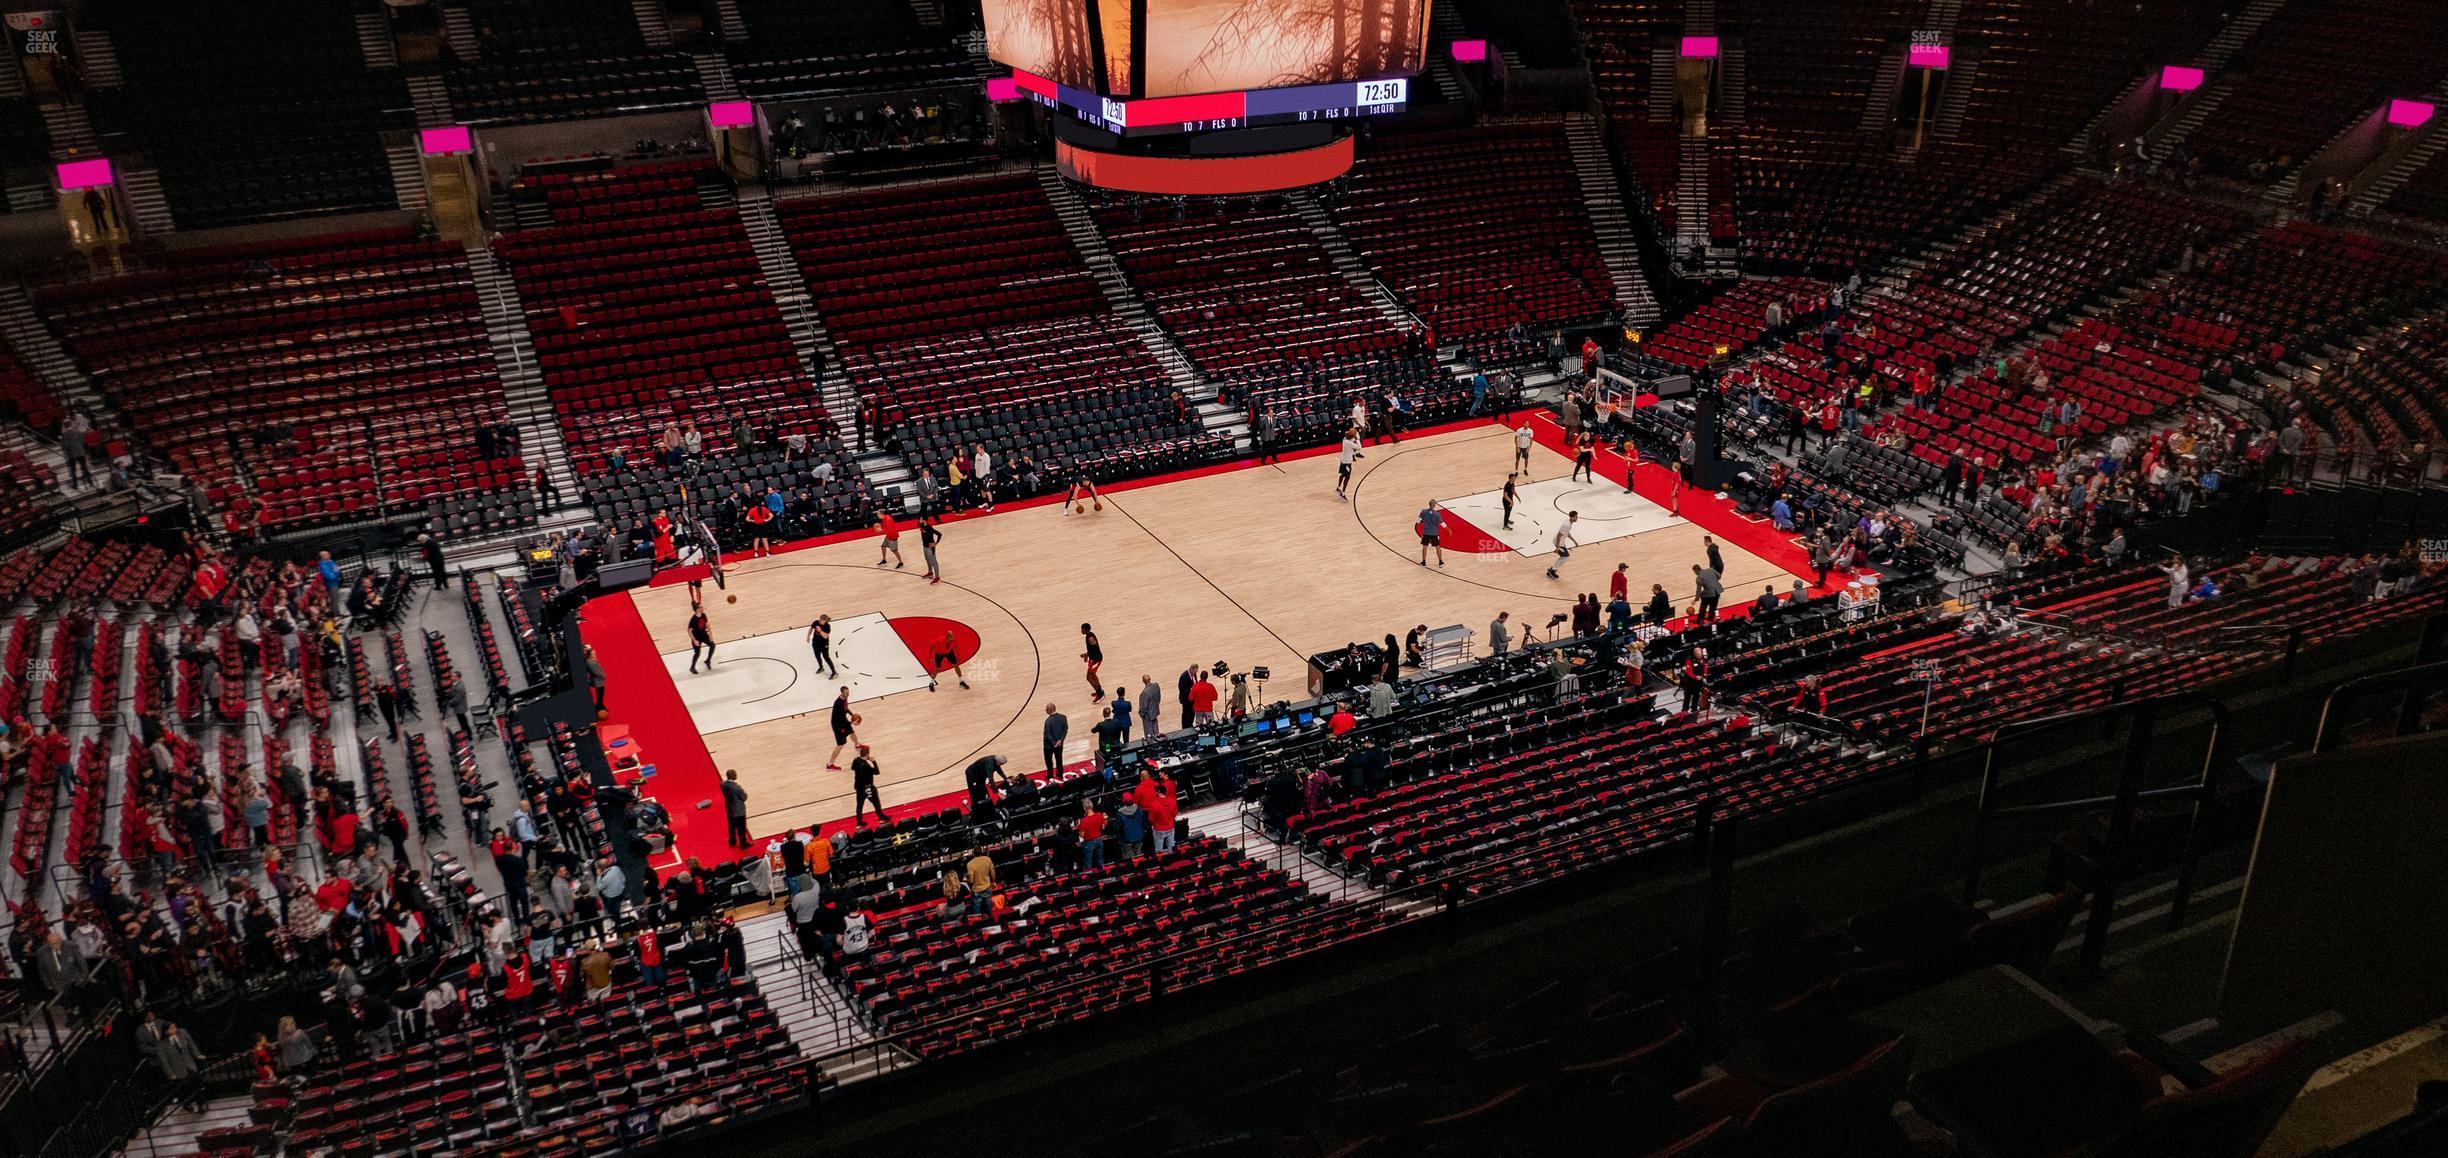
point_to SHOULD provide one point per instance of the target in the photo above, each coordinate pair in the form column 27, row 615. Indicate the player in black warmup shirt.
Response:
column 1094, row 657
column 845, row 726
column 701, row 636
column 863, row 773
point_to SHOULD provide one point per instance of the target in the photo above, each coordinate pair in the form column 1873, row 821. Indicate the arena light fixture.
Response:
column 1699, row 48
column 1002, row 88
column 2408, row 114
column 2180, row 78
column 1470, row 51
column 445, row 141
column 1928, row 56
column 87, row 174
column 731, row 114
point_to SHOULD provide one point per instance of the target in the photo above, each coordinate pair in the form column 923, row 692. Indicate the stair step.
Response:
column 1099, row 258
column 97, row 59
column 374, row 40
column 407, row 175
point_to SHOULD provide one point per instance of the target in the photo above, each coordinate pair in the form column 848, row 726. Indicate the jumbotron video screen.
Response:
column 1172, row 48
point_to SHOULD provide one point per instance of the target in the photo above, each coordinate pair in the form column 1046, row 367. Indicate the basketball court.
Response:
column 1248, row 564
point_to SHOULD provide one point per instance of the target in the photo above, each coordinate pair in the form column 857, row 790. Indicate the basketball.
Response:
column 730, row 598
column 856, row 719
column 1078, row 509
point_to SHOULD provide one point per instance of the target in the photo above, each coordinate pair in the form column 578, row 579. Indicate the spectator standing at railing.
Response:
column 73, row 430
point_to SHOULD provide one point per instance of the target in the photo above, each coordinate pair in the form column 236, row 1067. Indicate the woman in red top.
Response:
column 663, row 552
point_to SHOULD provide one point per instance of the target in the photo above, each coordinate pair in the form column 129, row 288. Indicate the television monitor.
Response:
column 1140, row 68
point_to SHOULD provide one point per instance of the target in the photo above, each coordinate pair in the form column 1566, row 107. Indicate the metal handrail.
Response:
column 2326, row 735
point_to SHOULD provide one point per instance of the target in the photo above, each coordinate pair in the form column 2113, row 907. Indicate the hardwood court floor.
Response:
column 1260, row 565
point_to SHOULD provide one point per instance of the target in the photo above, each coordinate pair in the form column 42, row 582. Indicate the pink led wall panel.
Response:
column 2408, row 114
column 85, row 174
column 730, row 114
column 1470, row 51
column 1700, row 48
column 2180, row 78
column 1928, row 56
column 1002, row 88
column 445, row 141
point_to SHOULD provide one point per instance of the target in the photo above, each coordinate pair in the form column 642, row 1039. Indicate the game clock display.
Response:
column 1210, row 112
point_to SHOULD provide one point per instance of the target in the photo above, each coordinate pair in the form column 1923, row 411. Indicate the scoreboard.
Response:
column 1210, row 112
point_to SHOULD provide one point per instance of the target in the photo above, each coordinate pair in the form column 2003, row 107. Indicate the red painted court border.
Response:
column 1705, row 509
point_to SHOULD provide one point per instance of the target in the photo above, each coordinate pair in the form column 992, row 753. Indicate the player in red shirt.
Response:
column 892, row 540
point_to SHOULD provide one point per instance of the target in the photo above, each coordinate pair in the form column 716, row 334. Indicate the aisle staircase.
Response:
column 522, row 377
column 2163, row 137
column 67, row 128
column 1602, row 199
column 2214, row 55
column 1733, row 72
column 431, row 99
column 814, row 1012
column 715, row 73
column 2400, row 163
column 141, row 190
column 1346, row 260
column 809, row 340
column 1879, row 112
column 42, row 353
column 407, row 172
column 181, row 1130
column 1126, row 304
column 374, row 40
column 97, row 59
column 459, row 31
column 651, row 24
column 1947, row 123
column 1664, row 58
column 727, row 23
column 1691, row 194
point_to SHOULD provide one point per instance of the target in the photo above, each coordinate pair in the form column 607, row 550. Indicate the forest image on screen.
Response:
column 1046, row 37
column 1196, row 46
column 1204, row 46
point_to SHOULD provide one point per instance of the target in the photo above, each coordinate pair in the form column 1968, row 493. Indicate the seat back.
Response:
column 2027, row 939
column 2228, row 1118
column 1854, row 1103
